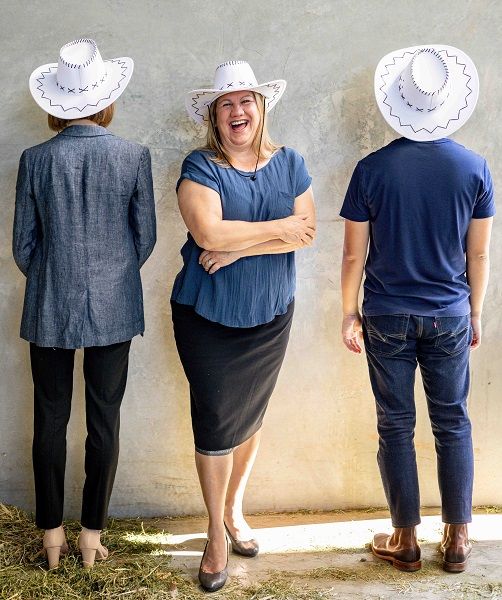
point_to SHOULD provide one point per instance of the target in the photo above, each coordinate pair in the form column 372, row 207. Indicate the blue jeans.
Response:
column 440, row 345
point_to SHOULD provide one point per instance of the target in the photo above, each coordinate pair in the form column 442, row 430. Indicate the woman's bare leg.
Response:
column 214, row 474
column 243, row 461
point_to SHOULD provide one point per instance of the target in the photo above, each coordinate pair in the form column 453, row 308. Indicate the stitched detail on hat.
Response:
column 88, row 61
column 195, row 105
column 277, row 88
column 443, row 62
column 232, row 83
column 81, row 90
column 229, row 63
column 408, row 103
column 457, row 118
column 122, row 65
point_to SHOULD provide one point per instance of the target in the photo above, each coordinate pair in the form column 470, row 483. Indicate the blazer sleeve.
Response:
column 26, row 227
column 142, row 210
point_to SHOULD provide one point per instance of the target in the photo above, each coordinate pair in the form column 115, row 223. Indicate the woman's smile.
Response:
column 239, row 125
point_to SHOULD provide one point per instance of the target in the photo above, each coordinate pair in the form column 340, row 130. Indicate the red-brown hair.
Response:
column 103, row 117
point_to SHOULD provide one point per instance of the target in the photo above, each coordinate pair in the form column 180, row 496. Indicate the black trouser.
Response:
column 105, row 374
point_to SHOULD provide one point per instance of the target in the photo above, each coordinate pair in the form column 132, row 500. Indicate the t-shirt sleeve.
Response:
column 355, row 207
column 198, row 168
column 302, row 179
column 485, row 204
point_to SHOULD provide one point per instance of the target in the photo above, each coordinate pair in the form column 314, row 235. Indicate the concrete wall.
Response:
column 319, row 439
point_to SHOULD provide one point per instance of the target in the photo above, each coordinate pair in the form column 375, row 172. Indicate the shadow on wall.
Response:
column 361, row 128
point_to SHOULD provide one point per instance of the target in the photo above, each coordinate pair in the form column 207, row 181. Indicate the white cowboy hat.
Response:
column 81, row 83
column 426, row 92
column 232, row 76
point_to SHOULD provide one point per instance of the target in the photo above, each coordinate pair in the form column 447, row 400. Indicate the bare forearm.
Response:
column 352, row 274
column 232, row 236
column 201, row 210
column 355, row 245
column 270, row 247
column 478, row 270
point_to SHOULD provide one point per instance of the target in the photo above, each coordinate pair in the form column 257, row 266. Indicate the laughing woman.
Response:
column 248, row 206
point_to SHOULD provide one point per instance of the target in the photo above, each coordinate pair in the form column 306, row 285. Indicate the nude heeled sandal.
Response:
column 54, row 542
column 90, row 547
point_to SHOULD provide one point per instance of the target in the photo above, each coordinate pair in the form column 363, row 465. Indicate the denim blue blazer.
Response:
column 84, row 225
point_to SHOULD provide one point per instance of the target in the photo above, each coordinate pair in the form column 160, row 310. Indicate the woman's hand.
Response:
column 297, row 229
column 213, row 260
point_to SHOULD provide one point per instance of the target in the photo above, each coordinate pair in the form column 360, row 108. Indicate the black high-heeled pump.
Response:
column 212, row 582
column 249, row 548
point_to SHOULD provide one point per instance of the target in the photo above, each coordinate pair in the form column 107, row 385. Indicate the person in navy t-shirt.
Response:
column 418, row 220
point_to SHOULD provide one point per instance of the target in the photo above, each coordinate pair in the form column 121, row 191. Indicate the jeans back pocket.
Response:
column 454, row 334
column 385, row 335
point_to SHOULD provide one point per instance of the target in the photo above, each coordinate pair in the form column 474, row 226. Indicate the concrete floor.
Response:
column 328, row 552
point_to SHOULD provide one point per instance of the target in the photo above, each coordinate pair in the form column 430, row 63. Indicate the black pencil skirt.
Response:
column 232, row 372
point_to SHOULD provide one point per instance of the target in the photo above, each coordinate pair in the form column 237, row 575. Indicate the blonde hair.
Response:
column 213, row 140
column 103, row 117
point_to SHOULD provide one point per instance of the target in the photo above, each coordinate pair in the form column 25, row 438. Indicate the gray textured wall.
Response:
column 319, row 439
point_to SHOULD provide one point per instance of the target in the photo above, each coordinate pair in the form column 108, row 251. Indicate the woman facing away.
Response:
column 248, row 205
column 84, row 225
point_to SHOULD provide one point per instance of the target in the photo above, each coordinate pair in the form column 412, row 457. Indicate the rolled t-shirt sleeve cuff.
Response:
column 198, row 179
column 485, row 205
column 198, row 167
column 303, row 186
column 354, row 207
column 346, row 214
column 484, row 214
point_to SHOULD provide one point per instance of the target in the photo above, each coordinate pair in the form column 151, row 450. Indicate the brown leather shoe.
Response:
column 455, row 547
column 401, row 548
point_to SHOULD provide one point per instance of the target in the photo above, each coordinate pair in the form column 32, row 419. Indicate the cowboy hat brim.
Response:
column 66, row 104
column 198, row 101
column 427, row 125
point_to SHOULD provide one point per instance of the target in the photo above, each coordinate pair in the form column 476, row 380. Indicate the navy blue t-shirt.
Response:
column 254, row 289
column 419, row 198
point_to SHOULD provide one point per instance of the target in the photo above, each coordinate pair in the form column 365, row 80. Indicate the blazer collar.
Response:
column 84, row 131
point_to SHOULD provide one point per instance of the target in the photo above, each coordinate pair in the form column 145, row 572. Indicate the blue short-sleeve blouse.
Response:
column 254, row 289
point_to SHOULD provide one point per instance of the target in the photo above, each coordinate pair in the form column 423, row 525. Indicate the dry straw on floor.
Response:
column 142, row 571
column 134, row 571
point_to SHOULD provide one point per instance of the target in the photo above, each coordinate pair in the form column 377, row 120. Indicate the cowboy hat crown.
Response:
column 231, row 76
column 426, row 92
column 81, row 83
